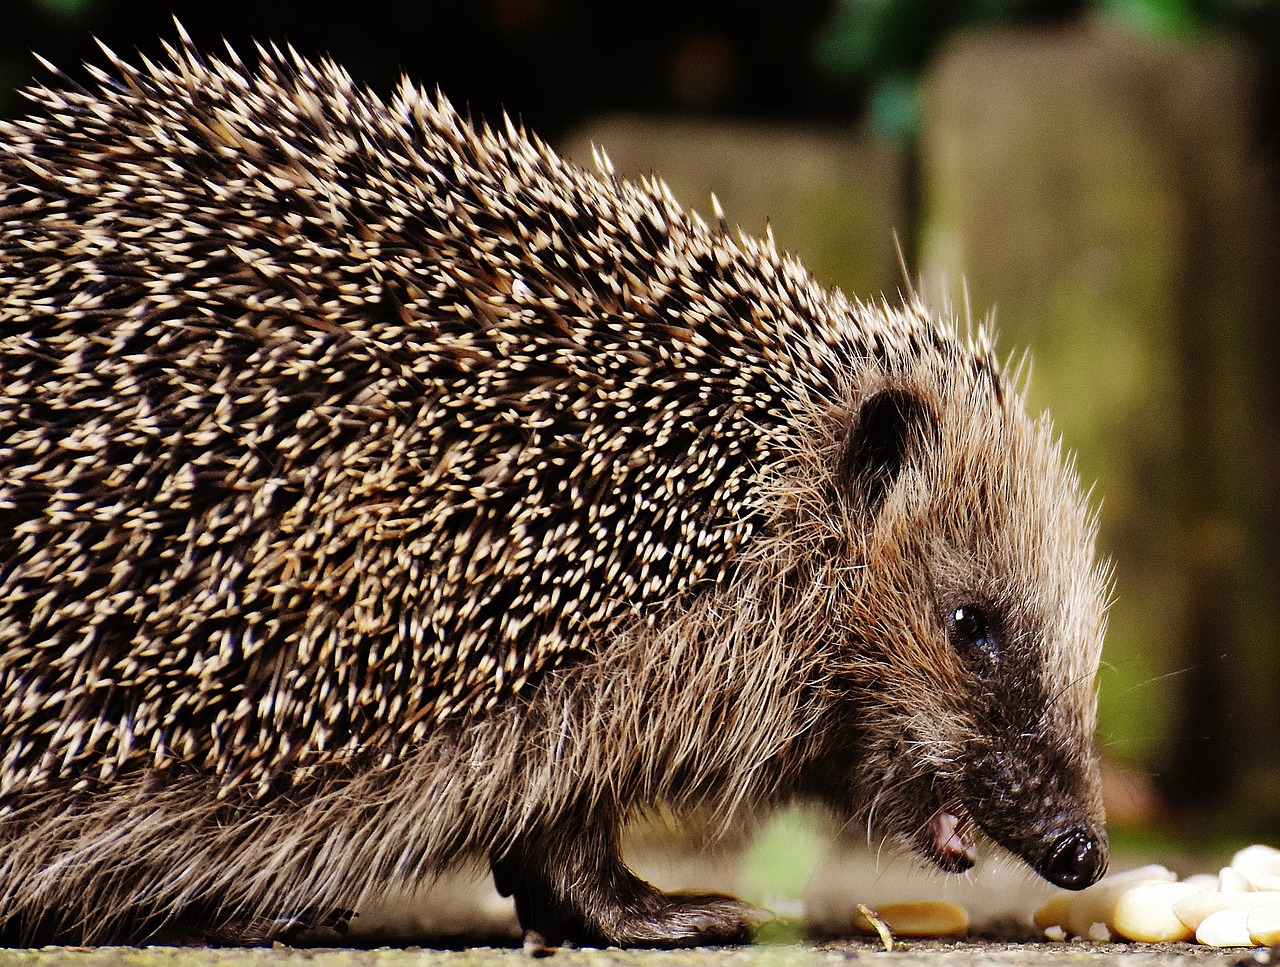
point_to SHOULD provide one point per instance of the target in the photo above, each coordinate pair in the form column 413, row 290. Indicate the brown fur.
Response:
column 457, row 505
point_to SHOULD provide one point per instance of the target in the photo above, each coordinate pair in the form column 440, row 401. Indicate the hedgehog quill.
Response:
column 380, row 493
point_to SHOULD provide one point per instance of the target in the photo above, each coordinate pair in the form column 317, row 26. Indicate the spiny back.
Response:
column 325, row 421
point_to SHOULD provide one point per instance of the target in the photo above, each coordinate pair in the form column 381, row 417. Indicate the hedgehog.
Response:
column 383, row 495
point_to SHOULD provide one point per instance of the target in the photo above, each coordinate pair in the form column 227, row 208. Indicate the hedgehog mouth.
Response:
column 950, row 836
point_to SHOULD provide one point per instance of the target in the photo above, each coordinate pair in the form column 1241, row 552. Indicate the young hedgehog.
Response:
column 381, row 494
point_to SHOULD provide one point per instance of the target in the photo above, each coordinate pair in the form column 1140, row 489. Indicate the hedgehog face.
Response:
column 976, row 632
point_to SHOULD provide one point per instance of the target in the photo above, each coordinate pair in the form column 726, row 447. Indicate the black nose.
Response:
column 1076, row 860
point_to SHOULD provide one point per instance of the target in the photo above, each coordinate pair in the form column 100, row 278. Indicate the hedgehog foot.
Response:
column 574, row 890
column 250, row 930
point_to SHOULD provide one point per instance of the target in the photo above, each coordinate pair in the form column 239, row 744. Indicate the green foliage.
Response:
column 882, row 46
column 780, row 862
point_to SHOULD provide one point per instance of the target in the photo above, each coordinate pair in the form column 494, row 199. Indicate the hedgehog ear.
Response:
column 884, row 431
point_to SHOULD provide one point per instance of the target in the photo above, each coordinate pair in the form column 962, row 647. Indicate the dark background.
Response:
column 554, row 62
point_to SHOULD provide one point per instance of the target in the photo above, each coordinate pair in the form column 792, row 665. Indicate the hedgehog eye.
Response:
column 974, row 637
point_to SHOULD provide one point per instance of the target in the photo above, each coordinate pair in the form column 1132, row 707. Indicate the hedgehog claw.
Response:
column 535, row 944
column 303, row 929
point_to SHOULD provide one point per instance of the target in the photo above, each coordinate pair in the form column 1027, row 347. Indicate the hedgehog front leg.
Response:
column 571, row 887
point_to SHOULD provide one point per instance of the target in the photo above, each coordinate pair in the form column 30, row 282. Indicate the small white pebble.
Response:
column 1226, row 928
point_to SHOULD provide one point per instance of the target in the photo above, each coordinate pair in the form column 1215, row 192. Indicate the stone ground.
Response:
column 821, row 887
column 929, row 954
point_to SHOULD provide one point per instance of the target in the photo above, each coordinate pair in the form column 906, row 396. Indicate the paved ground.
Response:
column 802, row 879
column 930, row 954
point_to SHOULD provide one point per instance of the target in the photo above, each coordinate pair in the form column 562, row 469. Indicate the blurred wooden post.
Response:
column 1103, row 192
column 833, row 197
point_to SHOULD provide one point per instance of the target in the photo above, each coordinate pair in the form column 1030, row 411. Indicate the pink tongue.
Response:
column 948, row 838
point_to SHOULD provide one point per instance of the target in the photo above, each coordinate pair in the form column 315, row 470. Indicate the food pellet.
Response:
column 1195, row 907
column 922, row 918
column 1239, row 907
column 1226, row 928
column 1264, row 923
column 1089, row 912
column 1145, row 912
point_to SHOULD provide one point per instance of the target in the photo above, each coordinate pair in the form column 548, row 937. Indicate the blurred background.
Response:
column 1101, row 173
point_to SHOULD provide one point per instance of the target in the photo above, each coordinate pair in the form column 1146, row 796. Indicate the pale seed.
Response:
column 1263, row 922
column 1144, row 912
column 1226, row 928
column 1194, row 908
column 1054, row 911
column 1233, row 881
column 1256, row 861
column 922, row 918
column 1077, row 913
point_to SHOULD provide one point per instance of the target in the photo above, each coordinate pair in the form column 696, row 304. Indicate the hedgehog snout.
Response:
column 1076, row 859
column 1043, row 809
